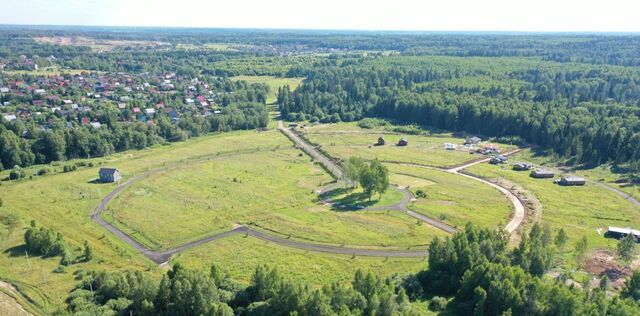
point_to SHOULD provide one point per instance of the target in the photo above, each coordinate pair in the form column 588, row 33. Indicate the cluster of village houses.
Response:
column 77, row 95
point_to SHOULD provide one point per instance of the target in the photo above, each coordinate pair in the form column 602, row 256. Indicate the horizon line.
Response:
column 4, row 25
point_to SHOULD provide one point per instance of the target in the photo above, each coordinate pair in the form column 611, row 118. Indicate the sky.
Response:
column 414, row 15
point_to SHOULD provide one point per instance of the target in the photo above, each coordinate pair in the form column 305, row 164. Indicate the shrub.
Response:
column 59, row 269
column 14, row 175
column 42, row 172
column 421, row 194
column 370, row 123
column 438, row 303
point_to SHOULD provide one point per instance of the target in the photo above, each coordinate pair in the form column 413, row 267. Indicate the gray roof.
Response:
column 543, row 171
column 108, row 170
column 573, row 179
column 623, row 230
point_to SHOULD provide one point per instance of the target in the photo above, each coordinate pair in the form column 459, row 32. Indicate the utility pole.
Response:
column 28, row 260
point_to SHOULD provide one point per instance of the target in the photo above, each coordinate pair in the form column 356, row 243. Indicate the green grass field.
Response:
column 273, row 83
column 453, row 199
column 64, row 202
column 344, row 140
column 239, row 255
column 276, row 193
column 580, row 210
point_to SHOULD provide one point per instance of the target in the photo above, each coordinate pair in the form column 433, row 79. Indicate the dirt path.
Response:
column 162, row 257
column 333, row 168
column 9, row 305
column 519, row 209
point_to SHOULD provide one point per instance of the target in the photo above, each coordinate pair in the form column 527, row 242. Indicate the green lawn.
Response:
column 579, row 210
column 350, row 199
column 452, row 198
column 273, row 191
column 239, row 255
column 344, row 140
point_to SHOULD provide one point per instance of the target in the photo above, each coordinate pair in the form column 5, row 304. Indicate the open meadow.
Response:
column 201, row 173
column 275, row 191
column 451, row 198
column 580, row 210
column 344, row 140
column 272, row 82
column 239, row 255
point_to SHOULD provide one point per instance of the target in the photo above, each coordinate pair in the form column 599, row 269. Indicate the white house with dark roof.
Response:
column 109, row 175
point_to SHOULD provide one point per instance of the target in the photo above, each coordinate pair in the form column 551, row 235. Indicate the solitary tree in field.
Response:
column 627, row 247
column 581, row 249
column 561, row 239
column 88, row 252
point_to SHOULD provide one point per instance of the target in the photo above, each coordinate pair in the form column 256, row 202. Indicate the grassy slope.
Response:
column 239, row 256
column 456, row 199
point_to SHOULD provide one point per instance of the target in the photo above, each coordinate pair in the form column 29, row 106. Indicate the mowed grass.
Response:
column 239, row 255
column 274, row 191
column 344, row 140
column 453, row 199
column 579, row 210
column 273, row 83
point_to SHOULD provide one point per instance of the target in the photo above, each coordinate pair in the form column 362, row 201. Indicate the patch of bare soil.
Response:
column 533, row 207
column 603, row 262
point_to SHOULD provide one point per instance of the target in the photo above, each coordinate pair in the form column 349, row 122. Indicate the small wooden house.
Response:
column 572, row 180
column 403, row 142
column 109, row 175
column 542, row 174
column 522, row 166
column 450, row 146
column 381, row 141
column 497, row 160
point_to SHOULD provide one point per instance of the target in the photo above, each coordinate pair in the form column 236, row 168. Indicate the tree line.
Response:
column 586, row 113
column 472, row 272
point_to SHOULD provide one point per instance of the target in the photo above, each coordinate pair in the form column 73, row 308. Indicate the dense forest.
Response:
column 585, row 112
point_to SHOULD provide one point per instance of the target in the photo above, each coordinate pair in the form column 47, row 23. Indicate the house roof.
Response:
column 623, row 230
column 543, row 171
column 108, row 170
column 573, row 179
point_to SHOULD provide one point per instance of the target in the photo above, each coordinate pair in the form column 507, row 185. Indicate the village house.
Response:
column 473, row 140
column 497, row 160
column 403, row 142
column 619, row 233
column 381, row 141
column 109, row 175
column 450, row 146
column 542, row 174
column 571, row 180
column 522, row 166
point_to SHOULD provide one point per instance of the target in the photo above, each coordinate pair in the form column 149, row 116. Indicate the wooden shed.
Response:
column 542, row 174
